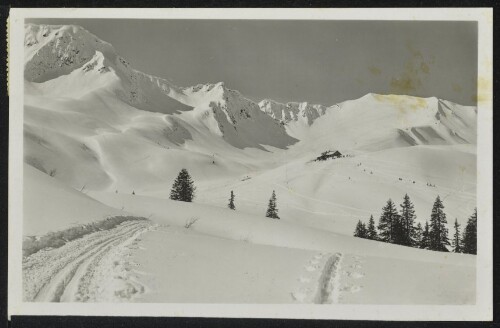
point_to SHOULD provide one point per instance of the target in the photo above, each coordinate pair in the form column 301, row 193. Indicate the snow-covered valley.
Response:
column 103, row 140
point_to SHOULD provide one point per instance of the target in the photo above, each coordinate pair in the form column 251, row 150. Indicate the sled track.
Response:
column 66, row 274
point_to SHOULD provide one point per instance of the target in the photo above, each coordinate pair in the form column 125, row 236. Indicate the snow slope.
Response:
column 96, row 130
column 50, row 205
column 226, row 256
column 93, row 120
column 335, row 194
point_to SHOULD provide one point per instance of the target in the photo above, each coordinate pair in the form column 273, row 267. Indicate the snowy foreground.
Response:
column 103, row 144
column 226, row 256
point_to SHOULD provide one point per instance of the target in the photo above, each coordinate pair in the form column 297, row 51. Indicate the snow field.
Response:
column 50, row 206
column 96, row 130
column 336, row 277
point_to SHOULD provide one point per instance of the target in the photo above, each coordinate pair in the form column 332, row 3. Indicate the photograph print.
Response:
column 249, row 161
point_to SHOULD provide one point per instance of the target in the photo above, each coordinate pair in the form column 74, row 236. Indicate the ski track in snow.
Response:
column 328, row 287
column 327, row 282
column 68, row 273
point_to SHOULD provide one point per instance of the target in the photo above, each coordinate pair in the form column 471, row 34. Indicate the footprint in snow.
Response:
column 355, row 289
column 352, row 289
column 314, row 261
column 141, row 273
column 355, row 275
column 318, row 256
column 133, row 264
column 299, row 296
column 311, row 268
column 304, row 279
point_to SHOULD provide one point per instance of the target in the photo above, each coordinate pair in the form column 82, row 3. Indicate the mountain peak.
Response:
column 55, row 50
column 292, row 111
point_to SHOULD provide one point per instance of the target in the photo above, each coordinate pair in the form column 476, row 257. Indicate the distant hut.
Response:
column 336, row 154
column 329, row 154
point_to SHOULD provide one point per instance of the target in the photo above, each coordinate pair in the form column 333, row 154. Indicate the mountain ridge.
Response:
column 85, row 101
column 69, row 48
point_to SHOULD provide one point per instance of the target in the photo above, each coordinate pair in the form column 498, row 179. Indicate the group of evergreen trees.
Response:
column 395, row 227
column 468, row 243
column 398, row 227
column 183, row 190
column 367, row 232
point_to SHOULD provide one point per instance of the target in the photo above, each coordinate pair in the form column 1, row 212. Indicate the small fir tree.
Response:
column 469, row 239
column 418, row 235
column 457, row 242
column 272, row 210
column 231, row 201
column 398, row 231
column 371, row 231
column 360, row 230
column 183, row 188
column 388, row 223
column 426, row 239
column 407, row 221
column 438, row 230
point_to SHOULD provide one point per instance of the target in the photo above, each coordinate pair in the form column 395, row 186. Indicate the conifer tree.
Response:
column 399, row 233
column 231, row 201
column 360, row 230
column 438, row 231
column 457, row 241
column 272, row 210
column 418, row 235
column 426, row 238
column 183, row 188
column 469, row 239
column 388, row 223
column 407, row 221
column 371, row 231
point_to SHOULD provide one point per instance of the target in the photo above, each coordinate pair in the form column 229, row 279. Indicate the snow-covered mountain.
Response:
column 108, row 140
column 96, row 123
column 292, row 111
column 69, row 61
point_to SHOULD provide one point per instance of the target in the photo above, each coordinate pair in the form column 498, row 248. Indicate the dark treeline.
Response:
column 398, row 227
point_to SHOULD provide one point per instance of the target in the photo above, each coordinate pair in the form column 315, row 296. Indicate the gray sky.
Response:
column 317, row 61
